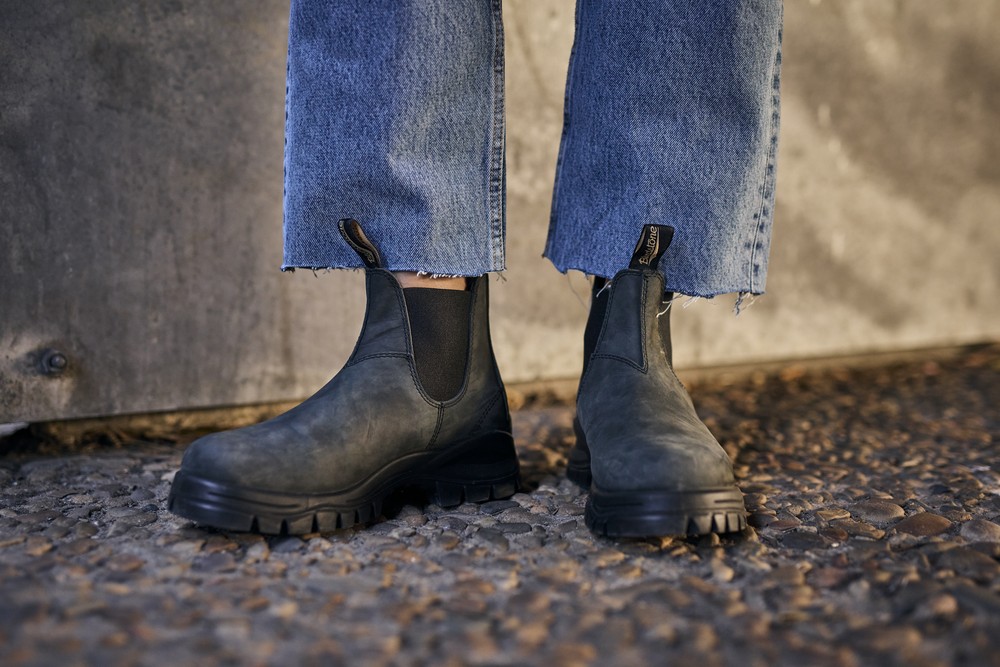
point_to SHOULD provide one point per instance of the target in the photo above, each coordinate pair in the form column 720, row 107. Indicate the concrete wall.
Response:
column 887, row 230
column 140, row 190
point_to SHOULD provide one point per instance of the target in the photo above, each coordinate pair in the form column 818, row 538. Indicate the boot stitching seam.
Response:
column 398, row 293
column 378, row 355
column 625, row 360
column 600, row 338
column 364, row 323
column 437, row 429
column 410, row 365
column 642, row 368
column 486, row 410
column 407, row 340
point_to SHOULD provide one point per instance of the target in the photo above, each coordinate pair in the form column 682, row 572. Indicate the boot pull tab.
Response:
column 653, row 242
column 350, row 229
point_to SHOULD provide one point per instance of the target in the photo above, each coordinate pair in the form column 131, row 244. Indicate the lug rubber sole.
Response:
column 662, row 513
column 641, row 514
column 478, row 470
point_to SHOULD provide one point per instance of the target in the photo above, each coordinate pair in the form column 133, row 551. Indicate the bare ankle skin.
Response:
column 414, row 279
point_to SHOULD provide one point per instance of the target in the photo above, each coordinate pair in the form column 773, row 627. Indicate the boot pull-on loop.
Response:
column 351, row 230
column 653, row 242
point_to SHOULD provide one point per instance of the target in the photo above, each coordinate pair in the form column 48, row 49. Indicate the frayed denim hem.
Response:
column 288, row 268
column 745, row 298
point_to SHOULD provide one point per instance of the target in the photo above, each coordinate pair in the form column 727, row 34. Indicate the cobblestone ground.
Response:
column 874, row 494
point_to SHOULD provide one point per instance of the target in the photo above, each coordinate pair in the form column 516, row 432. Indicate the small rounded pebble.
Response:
column 878, row 512
column 923, row 524
column 803, row 540
column 980, row 530
column 939, row 606
column 829, row 514
column 970, row 563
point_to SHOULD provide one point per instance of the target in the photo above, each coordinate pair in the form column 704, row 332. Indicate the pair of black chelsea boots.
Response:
column 400, row 415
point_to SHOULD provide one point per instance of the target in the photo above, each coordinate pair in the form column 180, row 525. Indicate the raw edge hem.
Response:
column 291, row 268
column 742, row 294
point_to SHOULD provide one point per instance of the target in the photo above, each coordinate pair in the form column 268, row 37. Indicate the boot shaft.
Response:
column 630, row 315
column 387, row 329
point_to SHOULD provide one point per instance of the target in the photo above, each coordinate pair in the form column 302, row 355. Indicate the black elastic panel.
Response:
column 439, row 327
column 599, row 306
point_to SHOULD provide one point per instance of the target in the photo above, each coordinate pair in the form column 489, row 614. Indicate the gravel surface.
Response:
column 874, row 496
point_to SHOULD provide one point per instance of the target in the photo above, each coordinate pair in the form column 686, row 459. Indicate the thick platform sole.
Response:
column 641, row 514
column 665, row 513
column 477, row 470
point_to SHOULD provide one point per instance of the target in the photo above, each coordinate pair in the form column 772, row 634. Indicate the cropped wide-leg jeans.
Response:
column 395, row 117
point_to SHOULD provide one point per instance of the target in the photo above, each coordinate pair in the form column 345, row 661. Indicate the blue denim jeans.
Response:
column 395, row 117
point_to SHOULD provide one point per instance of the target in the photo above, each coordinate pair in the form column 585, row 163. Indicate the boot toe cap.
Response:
column 664, row 465
column 230, row 457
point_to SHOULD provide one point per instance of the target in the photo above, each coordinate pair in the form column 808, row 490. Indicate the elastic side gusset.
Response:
column 439, row 328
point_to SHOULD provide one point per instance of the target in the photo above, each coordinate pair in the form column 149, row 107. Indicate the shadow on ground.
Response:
column 874, row 495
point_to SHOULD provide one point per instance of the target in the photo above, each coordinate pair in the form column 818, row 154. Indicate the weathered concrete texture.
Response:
column 874, row 494
column 889, row 214
column 140, row 212
column 140, row 203
column 888, row 206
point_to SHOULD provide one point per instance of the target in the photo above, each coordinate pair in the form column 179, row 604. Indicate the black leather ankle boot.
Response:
column 374, row 428
column 651, row 465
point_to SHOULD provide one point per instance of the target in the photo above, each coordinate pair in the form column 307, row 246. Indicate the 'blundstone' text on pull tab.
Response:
column 355, row 237
column 653, row 242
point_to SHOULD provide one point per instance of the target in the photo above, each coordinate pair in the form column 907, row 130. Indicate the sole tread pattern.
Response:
column 666, row 525
column 478, row 469
column 445, row 494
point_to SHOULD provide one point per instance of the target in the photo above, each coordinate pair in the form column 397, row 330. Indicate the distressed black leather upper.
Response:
column 373, row 412
column 640, row 424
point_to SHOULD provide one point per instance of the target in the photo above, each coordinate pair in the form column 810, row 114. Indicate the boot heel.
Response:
column 485, row 468
column 578, row 466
